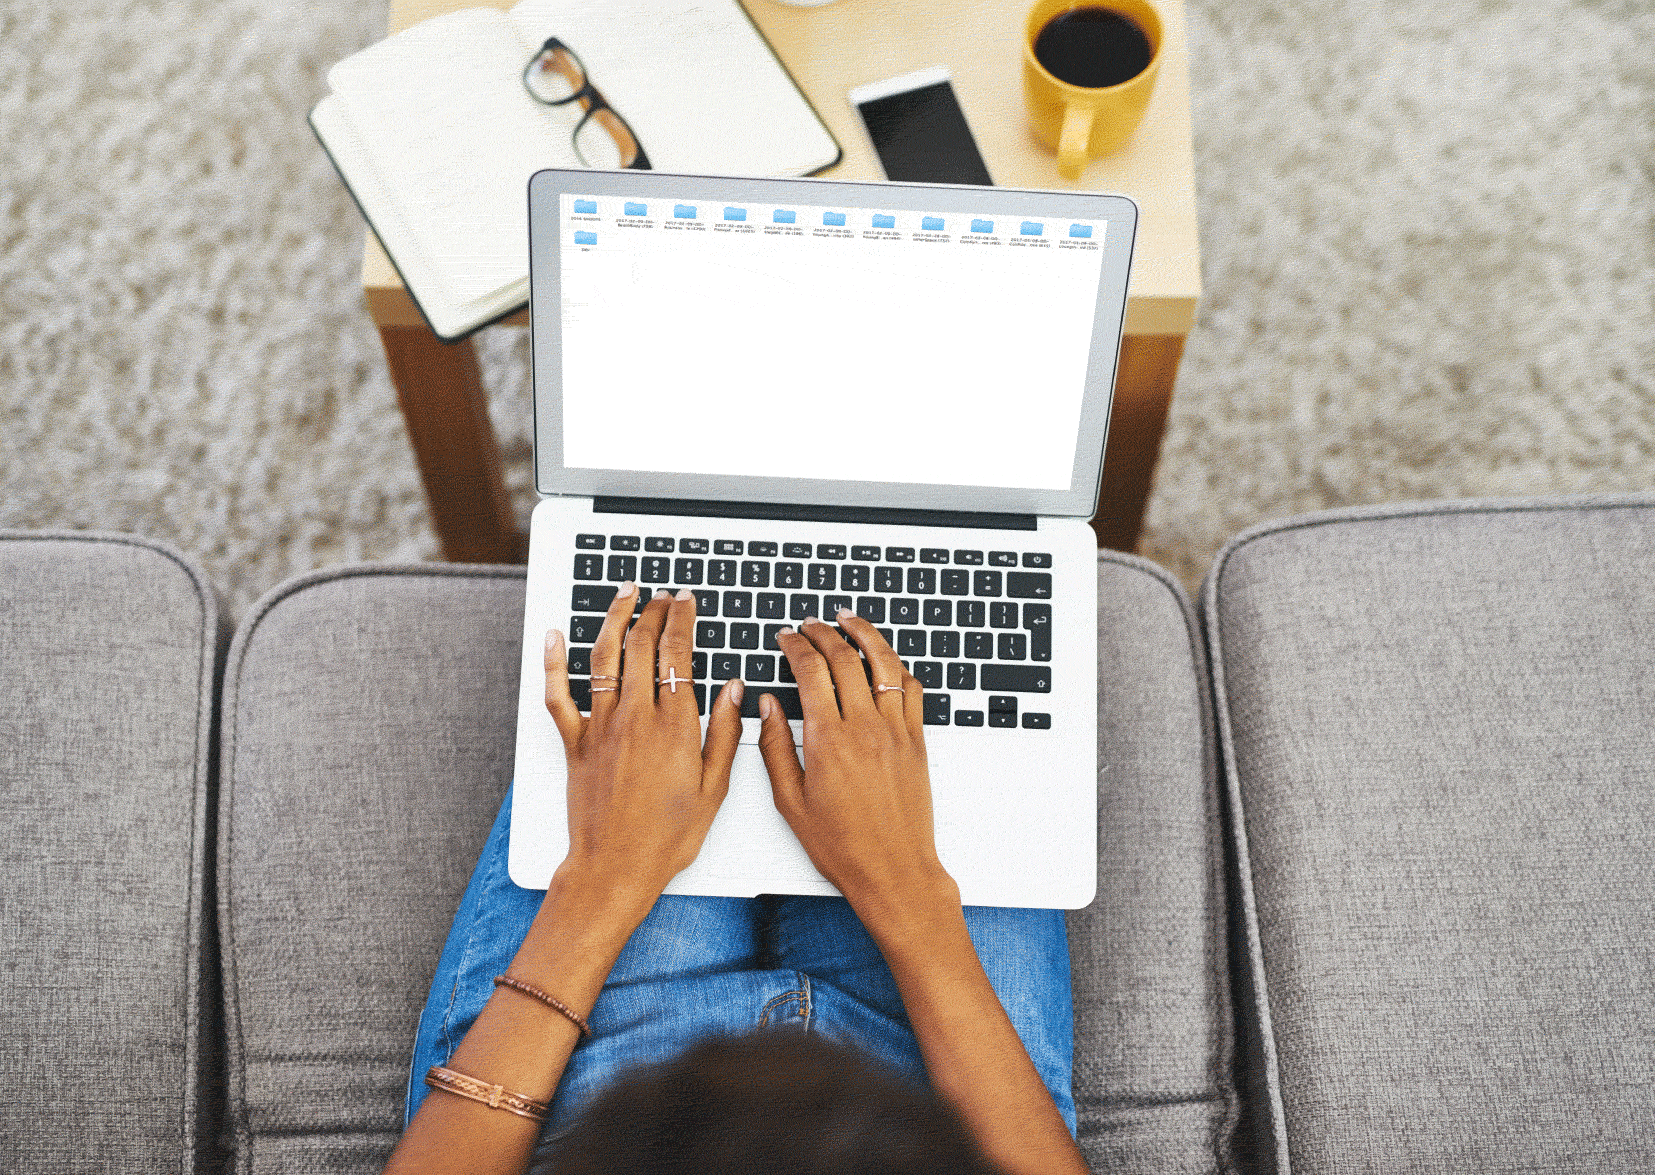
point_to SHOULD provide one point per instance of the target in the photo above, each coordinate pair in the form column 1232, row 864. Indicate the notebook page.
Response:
column 457, row 138
column 695, row 81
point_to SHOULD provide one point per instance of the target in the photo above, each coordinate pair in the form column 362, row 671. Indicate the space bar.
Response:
column 787, row 695
column 1025, row 679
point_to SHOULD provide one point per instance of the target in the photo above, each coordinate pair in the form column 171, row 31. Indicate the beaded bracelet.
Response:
column 495, row 1097
column 551, row 1001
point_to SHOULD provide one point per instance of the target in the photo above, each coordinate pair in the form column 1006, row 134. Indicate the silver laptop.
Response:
column 793, row 396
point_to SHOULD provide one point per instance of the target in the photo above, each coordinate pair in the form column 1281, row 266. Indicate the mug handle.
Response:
column 1072, row 140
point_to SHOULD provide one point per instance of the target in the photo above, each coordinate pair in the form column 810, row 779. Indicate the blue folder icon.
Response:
column 683, row 211
column 931, row 224
column 837, row 218
column 636, row 209
column 883, row 221
column 589, row 207
column 781, row 216
column 1031, row 228
column 586, row 238
column 982, row 226
column 735, row 214
column 1080, row 230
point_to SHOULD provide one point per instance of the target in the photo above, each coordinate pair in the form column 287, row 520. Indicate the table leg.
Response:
column 440, row 389
column 1143, row 392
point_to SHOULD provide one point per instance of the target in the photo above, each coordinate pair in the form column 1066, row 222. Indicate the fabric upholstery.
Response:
column 1436, row 723
column 109, row 646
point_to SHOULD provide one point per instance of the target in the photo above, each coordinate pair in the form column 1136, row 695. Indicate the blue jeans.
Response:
column 698, row 966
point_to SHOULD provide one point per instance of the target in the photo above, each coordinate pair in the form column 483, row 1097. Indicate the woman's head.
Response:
column 780, row 1100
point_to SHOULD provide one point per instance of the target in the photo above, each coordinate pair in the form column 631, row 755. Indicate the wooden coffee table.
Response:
column 828, row 50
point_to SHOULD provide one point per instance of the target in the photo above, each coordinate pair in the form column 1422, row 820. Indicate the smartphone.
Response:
column 919, row 130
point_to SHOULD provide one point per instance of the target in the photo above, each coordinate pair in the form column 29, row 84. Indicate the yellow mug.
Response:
column 1082, row 123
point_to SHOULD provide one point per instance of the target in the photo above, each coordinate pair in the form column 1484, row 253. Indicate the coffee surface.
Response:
column 1092, row 47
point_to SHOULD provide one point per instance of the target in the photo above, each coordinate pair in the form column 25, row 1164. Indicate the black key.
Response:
column 656, row 569
column 968, row 558
column 981, row 644
column 1037, row 722
column 657, row 543
column 588, row 566
column 969, row 613
column 589, row 542
column 761, row 667
column 866, row 554
column 1002, row 558
column 962, row 675
column 784, row 671
column 623, row 568
column 706, row 603
column 721, row 572
column 830, row 551
column 770, row 641
column 580, row 660
column 929, row 673
column 922, row 581
column 726, row 666
column 754, row 574
column 623, row 542
column 788, row 697
column 904, row 610
column 795, row 550
column 592, row 597
column 1036, row 559
column 939, row 612
column 580, row 690
column 1037, row 618
column 688, row 570
column 933, row 555
column 824, row 577
column 693, row 546
column 790, row 575
column 698, row 665
column 945, row 644
column 762, row 550
column 1013, row 646
column 709, row 634
column 871, row 608
column 744, row 636
column 887, row 579
column 832, row 604
column 854, row 577
column 1029, row 585
column 727, row 547
column 801, row 605
column 936, row 709
column 700, row 698
column 985, row 583
column 910, row 642
column 886, row 634
column 996, row 718
column 1002, row 703
column 956, row 581
column 968, row 717
column 1002, row 615
column 583, row 630
column 899, row 554
column 1022, row 679
column 772, row 606
column 643, row 598
column 738, row 604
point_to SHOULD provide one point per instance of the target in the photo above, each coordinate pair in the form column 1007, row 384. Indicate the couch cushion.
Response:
column 108, row 649
column 1436, row 723
column 369, row 724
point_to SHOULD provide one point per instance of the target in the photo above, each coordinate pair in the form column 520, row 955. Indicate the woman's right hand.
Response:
column 861, row 802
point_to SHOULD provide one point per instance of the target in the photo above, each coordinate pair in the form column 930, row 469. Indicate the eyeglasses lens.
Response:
column 556, row 76
column 604, row 142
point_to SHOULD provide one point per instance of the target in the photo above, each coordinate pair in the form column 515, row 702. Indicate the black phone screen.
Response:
column 921, row 137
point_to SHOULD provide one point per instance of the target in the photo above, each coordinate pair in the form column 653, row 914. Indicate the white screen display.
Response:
column 701, row 337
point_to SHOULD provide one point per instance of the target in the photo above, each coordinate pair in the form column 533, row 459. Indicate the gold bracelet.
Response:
column 495, row 1097
column 551, row 1001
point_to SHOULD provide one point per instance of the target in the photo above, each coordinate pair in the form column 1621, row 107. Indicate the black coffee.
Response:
column 1092, row 47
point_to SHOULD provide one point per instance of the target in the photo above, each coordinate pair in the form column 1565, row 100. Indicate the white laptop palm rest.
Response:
column 792, row 396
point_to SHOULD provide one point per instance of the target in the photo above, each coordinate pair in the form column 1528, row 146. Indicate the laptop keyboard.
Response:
column 975, row 627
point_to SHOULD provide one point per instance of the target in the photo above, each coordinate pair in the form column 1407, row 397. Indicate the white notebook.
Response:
column 435, row 137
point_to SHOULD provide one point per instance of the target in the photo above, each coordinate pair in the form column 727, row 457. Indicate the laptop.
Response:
column 792, row 396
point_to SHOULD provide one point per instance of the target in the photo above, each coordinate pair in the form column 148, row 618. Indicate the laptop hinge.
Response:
column 798, row 512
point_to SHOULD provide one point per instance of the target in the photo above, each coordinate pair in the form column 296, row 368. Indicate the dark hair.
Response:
column 778, row 1100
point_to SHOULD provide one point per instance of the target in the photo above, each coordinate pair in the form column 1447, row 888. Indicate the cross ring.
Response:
column 672, row 679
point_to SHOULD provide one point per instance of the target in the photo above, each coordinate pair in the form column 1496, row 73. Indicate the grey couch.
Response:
column 1375, row 832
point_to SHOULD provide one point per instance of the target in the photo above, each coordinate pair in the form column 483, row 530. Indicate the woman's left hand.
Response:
column 642, row 788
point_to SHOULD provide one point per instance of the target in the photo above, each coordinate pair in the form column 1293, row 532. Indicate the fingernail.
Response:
column 554, row 640
column 684, row 594
column 627, row 588
column 812, row 620
column 734, row 688
column 785, row 630
column 845, row 614
column 765, row 707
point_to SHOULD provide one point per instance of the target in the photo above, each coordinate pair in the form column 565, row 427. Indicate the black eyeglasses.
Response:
column 556, row 77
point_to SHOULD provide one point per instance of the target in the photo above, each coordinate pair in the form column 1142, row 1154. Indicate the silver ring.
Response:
column 604, row 677
column 882, row 688
column 673, row 679
column 604, row 689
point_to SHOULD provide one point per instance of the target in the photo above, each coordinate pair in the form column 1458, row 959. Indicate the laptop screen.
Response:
column 713, row 338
